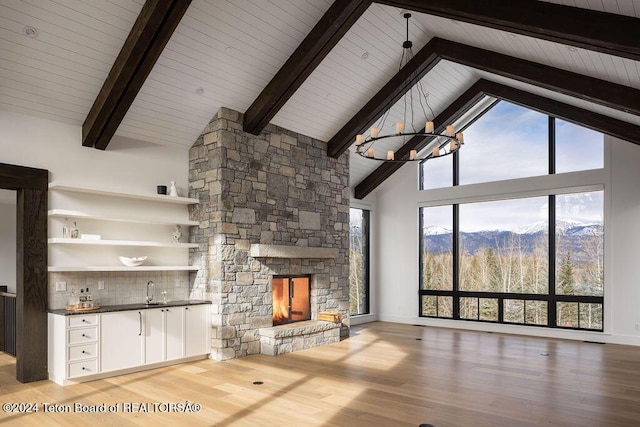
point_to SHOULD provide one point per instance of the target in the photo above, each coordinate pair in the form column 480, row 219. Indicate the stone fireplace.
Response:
column 270, row 205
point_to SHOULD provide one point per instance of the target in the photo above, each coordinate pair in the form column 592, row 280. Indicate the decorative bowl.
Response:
column 132, row 262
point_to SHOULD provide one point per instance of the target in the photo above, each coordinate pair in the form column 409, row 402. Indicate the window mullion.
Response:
column 456, row 261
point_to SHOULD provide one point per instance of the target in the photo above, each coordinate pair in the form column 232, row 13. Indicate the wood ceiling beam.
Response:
column 579, row 116
column 152, row 30
column 585, row 118
column 410, row 74
column 602, row 92
column 334, row 24
column 589, row 29
column 453, row 112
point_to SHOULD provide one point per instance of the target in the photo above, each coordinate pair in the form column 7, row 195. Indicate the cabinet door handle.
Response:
column 140, row 332
column 84, row 320
column 84, row 352
column 186, row 308
column 85, row 336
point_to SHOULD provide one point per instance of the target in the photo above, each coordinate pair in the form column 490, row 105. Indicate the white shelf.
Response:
column 62, row 213
column 57, row 240
column 107, row 192
column 123, row 268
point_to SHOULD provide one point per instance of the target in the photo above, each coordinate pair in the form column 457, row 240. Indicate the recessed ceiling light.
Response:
column 200, row 91
column 30, row 32
column 571, row 49
column 364, row 56
column 228, row 49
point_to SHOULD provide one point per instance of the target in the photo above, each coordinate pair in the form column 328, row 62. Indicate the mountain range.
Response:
column 571, row 234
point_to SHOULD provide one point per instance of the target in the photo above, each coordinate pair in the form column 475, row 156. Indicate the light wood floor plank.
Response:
column 384, row 375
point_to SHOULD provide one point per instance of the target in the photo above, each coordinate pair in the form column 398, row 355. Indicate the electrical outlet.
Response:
column 178, row 283
column 61, row 286
column 100, row 285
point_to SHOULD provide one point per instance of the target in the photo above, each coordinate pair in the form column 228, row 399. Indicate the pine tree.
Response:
column 566, row 281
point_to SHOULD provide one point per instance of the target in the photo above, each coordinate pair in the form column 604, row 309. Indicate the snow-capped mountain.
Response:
column 526, row 238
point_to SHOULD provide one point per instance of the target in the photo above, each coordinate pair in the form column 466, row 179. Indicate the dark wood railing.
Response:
column 8, row 322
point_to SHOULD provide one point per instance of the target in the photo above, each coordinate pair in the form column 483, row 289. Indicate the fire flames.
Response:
column 280, row 301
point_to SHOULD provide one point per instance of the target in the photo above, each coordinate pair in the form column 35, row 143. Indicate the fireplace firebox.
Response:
column 291, row 301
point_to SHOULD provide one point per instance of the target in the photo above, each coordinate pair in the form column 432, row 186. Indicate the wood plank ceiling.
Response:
column 224, row 53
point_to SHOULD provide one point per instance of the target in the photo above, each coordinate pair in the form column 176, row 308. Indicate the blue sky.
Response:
column 512, row 142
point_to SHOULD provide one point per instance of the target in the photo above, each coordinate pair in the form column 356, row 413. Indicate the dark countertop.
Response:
column 124, row 307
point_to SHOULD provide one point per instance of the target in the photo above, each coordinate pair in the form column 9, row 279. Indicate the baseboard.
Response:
column 102, row 375
column 516, row 330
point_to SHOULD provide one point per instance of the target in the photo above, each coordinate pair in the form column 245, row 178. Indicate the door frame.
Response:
column 31, row 186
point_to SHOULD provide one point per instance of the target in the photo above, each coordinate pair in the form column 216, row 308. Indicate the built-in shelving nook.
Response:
column 114, row 223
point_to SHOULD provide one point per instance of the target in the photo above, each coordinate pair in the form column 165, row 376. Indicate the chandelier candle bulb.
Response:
column 460, row 137
column 375, row 132
column 429, row 127
column 370, row 152
column 399, row 127
column 436, row 151
column 450, row 130
column 359, row 139
column 453, row 146
column 413, row 154
column 390, row 155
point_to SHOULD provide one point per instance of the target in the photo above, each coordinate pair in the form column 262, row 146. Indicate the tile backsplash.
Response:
column 122, row 287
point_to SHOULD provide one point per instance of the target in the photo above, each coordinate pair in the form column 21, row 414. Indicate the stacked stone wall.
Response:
column 277, row 188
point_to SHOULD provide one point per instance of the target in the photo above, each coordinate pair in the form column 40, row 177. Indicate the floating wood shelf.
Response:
column 107, row 192
column 57, row 240
column 123, row 268
column 62, row 213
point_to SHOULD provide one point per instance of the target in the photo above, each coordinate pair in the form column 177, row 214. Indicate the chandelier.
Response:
column 447, row 143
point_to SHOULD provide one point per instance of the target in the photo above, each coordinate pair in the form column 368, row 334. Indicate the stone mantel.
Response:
column 287, row 251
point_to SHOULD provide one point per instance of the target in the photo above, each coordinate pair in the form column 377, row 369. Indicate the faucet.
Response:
column 152, row 286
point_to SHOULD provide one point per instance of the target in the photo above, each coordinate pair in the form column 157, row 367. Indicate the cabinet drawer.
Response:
column 79, row 369
column 77, row 336
column 85, row 320
column 80, row 352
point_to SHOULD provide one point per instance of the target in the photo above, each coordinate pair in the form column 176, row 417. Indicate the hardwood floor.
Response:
column 381, row 376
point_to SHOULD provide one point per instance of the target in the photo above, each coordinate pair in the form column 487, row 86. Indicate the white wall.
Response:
column 8, row 241
column 127, row 166
column 396, row 229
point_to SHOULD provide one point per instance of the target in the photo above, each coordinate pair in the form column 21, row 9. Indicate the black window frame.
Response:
column 366, row 260
column 551, row 298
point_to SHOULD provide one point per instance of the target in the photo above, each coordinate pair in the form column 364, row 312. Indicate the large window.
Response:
column 359, row 261
column 510, row 142
column 531, row 260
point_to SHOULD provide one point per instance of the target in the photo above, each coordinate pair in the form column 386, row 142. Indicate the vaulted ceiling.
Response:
column 332, row 68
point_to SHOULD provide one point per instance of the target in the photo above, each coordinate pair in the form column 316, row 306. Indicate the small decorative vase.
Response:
column 172, row 189
column 177, row 234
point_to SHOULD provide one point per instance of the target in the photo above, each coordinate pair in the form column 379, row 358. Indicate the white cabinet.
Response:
column 175, row 333
column 197, row 327
column 106, row 344
column 148, row 215
column 74, row 343
column 163, row 334
column 121, row 340
column 153, row 326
